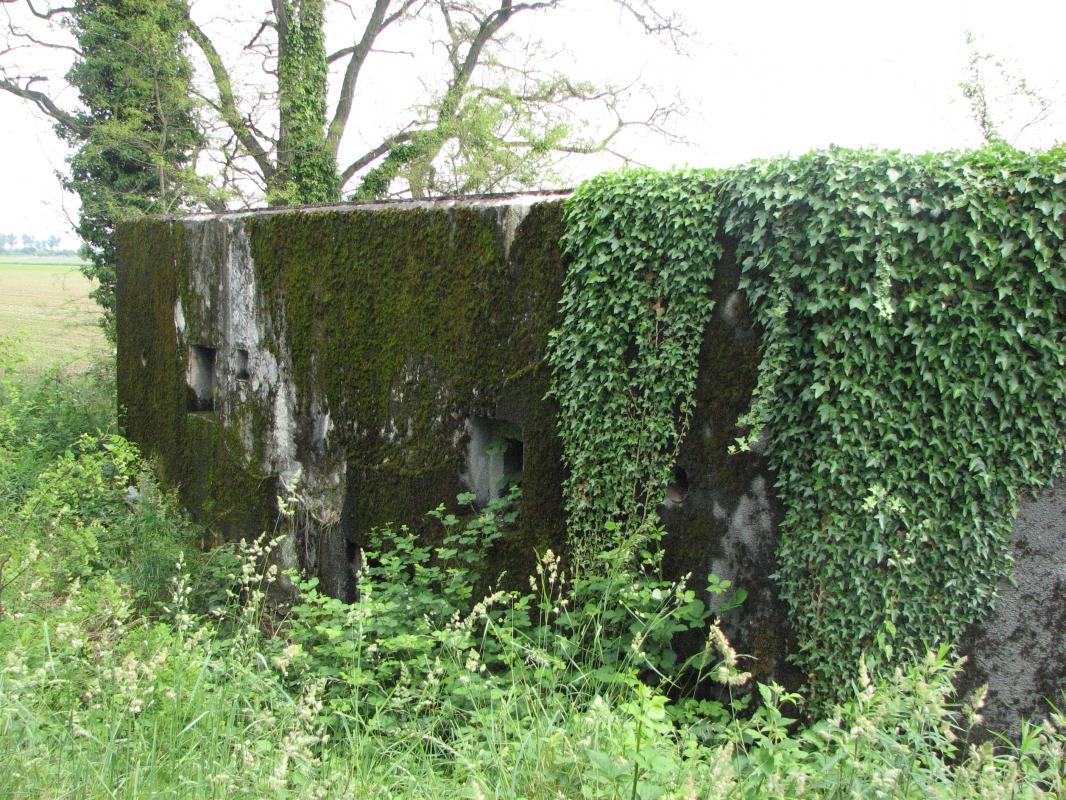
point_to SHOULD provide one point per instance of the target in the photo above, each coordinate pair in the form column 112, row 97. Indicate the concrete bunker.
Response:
column 392, row 355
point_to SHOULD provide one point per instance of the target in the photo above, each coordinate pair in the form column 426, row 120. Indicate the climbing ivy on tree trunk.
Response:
column 307, row 167
column 913, row 376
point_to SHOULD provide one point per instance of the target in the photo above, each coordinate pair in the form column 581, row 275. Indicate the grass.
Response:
column 44, row 302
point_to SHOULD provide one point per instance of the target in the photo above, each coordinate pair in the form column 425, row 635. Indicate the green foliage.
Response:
column 479, row 153
column 912, row 379
column 190, row 707
column 138, row 135
column 635, row 301
column 307, row 168
column 76, row 498
column 494, row 139
column 375, row 184
column 81, row 496
column 408, row 616
column 414, row 641
column 898, row 737
column 412, row 691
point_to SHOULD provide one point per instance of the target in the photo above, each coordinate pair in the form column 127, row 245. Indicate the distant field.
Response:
column 44, row 302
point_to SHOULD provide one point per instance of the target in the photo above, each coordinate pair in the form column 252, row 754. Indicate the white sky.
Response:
column 762, row 78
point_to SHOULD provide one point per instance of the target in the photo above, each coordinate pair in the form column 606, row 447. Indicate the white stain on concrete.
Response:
column 179, row 318
column 512, row 216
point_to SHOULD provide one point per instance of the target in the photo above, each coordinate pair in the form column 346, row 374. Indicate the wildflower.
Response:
column 285, row 657
column 974, row 704
column 472, row 659
column 726, row 673
column 864, row 674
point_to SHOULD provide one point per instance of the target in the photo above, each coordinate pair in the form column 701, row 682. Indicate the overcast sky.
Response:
column 762, row 78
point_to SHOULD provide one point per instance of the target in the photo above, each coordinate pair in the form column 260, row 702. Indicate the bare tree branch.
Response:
column 48, row 13
column 41, row 43
column 347, row 51
column 43, row 102
column 379, row 20
column 18, row 33
column 370, row 156
column 654, row 21
column 539, row 110
column 251, row 42
column 227, row 100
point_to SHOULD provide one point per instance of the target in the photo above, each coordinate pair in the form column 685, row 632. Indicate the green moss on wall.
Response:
column 233, row 499
column 151, row 391
column 403, row 324
column 194, row 452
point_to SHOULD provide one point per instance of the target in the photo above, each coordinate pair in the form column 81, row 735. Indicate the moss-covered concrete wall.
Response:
column 357, row 346
column 351, row 345
column 201, row 453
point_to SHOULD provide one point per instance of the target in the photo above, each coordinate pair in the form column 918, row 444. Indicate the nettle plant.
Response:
column 414, row 643
column 912, row 380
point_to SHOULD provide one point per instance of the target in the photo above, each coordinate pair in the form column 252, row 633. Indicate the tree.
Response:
column 136, row 132
column 306, row 170
column 493, row 118
column 490, row 122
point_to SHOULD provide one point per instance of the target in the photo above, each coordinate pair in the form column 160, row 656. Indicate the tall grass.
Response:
column 133, row 665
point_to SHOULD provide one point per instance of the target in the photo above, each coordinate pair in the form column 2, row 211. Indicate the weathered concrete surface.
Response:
column 1020, row 651
column 727, row 524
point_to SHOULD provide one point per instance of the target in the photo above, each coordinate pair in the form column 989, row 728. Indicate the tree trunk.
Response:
column 306, row 167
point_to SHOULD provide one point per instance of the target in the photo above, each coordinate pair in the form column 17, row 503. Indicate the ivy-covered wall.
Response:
column 910, row 387
column 828, row 304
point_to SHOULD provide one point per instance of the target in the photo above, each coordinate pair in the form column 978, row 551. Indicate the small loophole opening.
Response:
column 241, row 366
column 677, row 489
column 495, row 457
column 201, row 378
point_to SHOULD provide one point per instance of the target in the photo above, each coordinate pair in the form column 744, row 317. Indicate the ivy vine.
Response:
column 307, row 168
column 913, row 377
column 636, row 298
